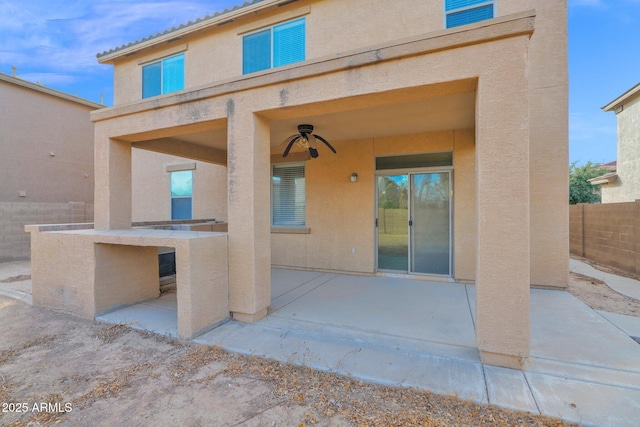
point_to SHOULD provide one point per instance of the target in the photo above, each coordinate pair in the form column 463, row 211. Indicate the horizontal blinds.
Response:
column 289, row 42
column 469, row 16
column 151, row 80
column 256, row 52
column 288, row 195
column 173, row 73
column 459, row 4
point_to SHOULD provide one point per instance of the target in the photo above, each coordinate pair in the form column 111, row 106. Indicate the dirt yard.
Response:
column 57, row 369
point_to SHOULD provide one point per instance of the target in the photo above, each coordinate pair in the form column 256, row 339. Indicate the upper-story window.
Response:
column 462, row 12
column 275, row 46
column 163, row 76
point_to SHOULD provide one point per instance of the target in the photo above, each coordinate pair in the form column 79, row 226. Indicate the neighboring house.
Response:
column 449, row 118
column 46, row 161
column 623, row 184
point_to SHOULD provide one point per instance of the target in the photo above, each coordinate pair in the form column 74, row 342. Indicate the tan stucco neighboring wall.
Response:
column 627, row 186
column 46, row 147
column 151, row 187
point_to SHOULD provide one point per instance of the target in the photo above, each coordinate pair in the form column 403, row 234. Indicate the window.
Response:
column 276, row 46
column 288, row 200
column 462, row 12
column 163, row 76
column 181, row 194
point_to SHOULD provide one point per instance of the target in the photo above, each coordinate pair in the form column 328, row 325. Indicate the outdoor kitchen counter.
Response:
column 88, row 272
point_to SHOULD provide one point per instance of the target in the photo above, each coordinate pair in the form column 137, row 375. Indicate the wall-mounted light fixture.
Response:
column 354, row 177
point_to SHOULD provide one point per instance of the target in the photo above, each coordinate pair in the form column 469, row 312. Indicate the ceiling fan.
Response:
column 306, row 139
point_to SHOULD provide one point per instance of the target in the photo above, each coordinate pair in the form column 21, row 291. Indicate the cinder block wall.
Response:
column 607, row 233
column 15, row 243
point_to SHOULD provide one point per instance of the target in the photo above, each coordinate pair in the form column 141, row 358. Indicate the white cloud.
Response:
column 64, row 36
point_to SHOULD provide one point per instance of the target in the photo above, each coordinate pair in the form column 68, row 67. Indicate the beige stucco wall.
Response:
column 33, row 126
column 627, row 187
column 151, row 187
column 46, row 161
column 341, row 214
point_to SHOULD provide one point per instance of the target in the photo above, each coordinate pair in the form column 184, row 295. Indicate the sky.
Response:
column 55, row 42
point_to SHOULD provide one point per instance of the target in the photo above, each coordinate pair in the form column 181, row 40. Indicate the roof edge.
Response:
column 208, row 21
column 619, row 100
column 34, row 86
column 607, row 178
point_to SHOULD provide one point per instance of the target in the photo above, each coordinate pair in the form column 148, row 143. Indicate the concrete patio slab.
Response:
column 159, row 316
column 352, row 325
column 412, row 309
column 362, row 359
column 509, row 389
column 630, row 325
column 565, row 329
column 586, row 403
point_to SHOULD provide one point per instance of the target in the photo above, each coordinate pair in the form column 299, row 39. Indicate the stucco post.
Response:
column 112, row 182
column 248, row 213
column 503, row 215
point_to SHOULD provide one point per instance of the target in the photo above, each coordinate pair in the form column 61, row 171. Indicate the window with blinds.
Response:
column 279, row 45
column 462, row 12
column 163, row 76
column 288, row 195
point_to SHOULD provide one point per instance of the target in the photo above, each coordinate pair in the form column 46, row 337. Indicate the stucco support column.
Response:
column 112, row 183
column 248, row 213
column 503, row 251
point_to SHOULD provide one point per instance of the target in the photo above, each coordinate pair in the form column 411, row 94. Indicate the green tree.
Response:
column 580, row 191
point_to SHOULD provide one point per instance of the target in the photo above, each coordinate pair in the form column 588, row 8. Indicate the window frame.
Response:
column 446, row 13
column 172, row 197
column 271, row 28
column 290, row 226
column 161, row 61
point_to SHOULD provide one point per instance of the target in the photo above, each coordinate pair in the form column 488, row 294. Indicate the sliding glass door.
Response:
column 414, row 222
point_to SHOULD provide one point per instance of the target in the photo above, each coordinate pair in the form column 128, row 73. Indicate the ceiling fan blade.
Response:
column 313, row 152
column 293, row 141
column 288, row 140
column 326, row 143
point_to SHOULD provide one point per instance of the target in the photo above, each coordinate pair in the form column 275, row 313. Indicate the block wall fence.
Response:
column 607, row 233
column 15, row 243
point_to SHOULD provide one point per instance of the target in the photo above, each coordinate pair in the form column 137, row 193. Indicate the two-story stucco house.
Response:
column 623, row 185
column 449, row 123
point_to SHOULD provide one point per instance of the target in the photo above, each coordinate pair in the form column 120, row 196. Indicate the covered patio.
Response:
column 586, row 371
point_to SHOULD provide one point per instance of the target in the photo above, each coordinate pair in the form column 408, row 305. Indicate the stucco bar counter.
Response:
column 107, row 269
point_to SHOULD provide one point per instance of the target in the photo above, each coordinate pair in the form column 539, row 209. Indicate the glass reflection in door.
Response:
column 431, row 228
column 393, row 219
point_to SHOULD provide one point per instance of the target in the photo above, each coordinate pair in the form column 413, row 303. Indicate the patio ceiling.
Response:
column 413, row 110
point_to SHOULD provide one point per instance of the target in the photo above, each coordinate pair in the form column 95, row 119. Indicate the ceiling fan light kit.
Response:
column 307, row 140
